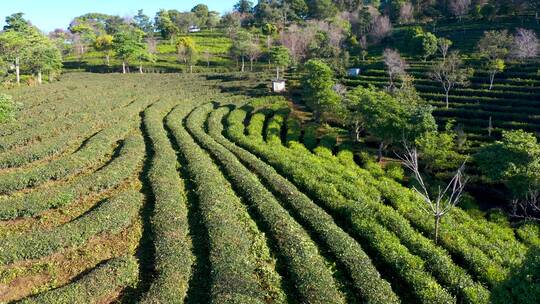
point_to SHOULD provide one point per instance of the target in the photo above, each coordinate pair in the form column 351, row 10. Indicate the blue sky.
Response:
column 51, row 14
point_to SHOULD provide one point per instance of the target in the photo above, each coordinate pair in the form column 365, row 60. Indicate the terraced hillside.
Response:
column 512, row 103
column 178, row 189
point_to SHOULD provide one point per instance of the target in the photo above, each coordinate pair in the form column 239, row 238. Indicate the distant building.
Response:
column 353, row 72
column 278, row 86
column 193, row 29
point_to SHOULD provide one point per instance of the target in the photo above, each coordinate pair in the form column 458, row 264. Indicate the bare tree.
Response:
column 381, row 28
column 450, row 73
column 528, row 207
column 525, row 44
column 443, row 45
column 446, row 199
column 207, row 56
column 297, row 39
column 406, row 13
column 395, row 66
column 254, row 52
column 459, row 8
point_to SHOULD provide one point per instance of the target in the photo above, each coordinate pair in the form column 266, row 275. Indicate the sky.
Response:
column 51, row 14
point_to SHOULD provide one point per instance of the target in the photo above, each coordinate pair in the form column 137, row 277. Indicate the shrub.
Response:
column 7, row 108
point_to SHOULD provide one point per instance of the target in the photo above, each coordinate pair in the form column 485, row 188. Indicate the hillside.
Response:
column 178, row 182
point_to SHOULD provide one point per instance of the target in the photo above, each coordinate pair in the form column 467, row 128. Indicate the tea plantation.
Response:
column 185, row 189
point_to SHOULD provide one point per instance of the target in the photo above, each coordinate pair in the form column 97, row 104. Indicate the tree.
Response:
column 165, row 25
column 281, row 58
column 144, row 23
column 494, row 47
column 390, row 118
column 128, row 45
column 207, row 56
column 244, row 7
column 187, row 52
column 16, row 22
column 439, row 150
column 43, row 57
column 395, row 66
column 213, row 20
column 318, row 86
column 381, row 28
column 514, row 161
column 104, row 44
column 450, row 73
column 202, row 13
column 525, row 44
column 22, row 44
column 443, row 45
column 240, row 46
column 429, row 45
column 298, row 40
column 321, row 9
column 406, row 13
column 254, row 51
column 488, row 11
column 445, row 199
column 232, row 23
column 459, row 8
column 12, row 45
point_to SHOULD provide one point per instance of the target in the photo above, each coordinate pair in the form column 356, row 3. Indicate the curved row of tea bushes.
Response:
column 58, row 124
column 130, row 156
column 483, row 253
column 67, row 139
column 93, row 287
column 173, row 258
column 110, row 216
column 256, row 125
column 476, row 260
column 394, row 222
column 294, row 130
column 92, row 151
column 273, row 130
column 241, row 265
column 312, row 279
column 488, row 269
column 305, row 171
column 366, row 280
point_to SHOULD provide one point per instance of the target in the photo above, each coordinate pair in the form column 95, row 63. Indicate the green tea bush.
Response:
column 237, row 250
column 370, row 286
column 7, row 108
column 110, row 216
column 312, row 278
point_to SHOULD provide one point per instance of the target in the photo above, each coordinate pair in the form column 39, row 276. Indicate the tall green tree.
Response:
column 165, row 26
column 280, row 57
column 244, row 7
column 16, row 22
column 514, row 161
column 128, row 45
column 43, row 57
column 144, row 23
column 241, row 45
column 321, row 9
column 202, row 13
column 318, row 87
column 494, row 47
column 390, row 118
